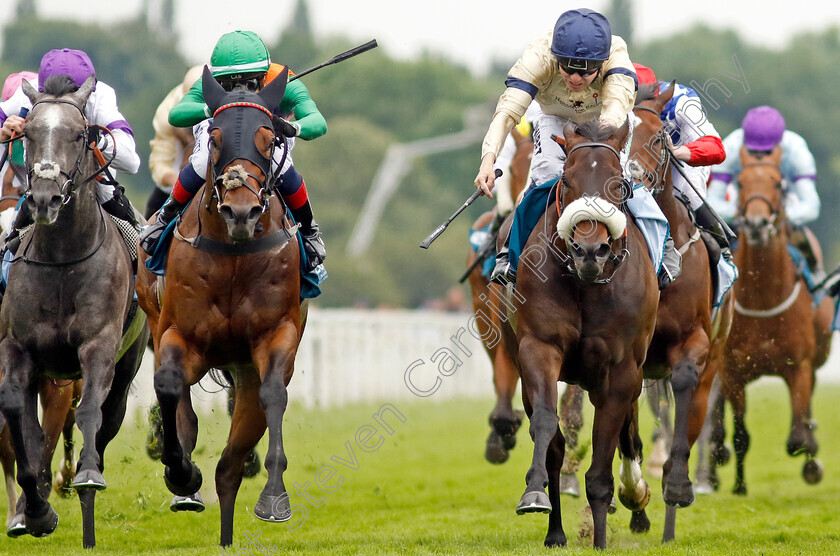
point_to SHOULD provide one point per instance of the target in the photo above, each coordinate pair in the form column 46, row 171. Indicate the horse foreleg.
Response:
column 571, row 421
column 56, row 402
column 18, row 402
column 657, row 394
column 686, row 360
column 182, row 476
column 703, row 475
column 740, row 436
column 633, row 490
column 7, row 461
column 540, row 363
column 802, row 440
column 247, row 426
column 275, row 361
column 503, row 420
column 719, row 453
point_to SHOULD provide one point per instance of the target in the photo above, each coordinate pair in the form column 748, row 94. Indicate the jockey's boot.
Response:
column 22, row 220
column 803, row 239
column 313, row 244
column 671, row 264
column 150, row 237
column 503, row 272
column 706, row 220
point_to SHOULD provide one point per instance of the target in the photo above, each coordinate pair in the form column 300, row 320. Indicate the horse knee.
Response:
column 169, row 383
column 11, row 399
column 599, row 489
column 685, row 376
column 273, row 394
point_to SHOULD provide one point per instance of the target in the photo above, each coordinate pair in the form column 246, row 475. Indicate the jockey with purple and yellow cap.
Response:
column 101, row 110
column 761, row 131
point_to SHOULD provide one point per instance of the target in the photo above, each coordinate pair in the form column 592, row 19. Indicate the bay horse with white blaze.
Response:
column 231, row 301
column 777, row 330
column 585, row 315
column 68, row 298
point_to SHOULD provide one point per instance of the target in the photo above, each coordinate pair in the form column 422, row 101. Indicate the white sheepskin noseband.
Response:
column 587, row 209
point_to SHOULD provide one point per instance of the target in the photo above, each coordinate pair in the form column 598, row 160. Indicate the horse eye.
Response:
column 80, row 136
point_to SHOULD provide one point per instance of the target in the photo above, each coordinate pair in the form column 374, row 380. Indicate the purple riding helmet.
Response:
column 763, row 128
column 66, row 61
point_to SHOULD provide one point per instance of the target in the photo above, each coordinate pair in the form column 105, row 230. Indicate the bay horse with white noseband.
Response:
column 585, row 314
column 777, row 330
column 232, row 302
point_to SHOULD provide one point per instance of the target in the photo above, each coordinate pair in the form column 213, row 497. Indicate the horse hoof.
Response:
column 89, row 478
column 555, row 539
column 43, row 525
column 62, row 486
column 740, row 489
column 252, row 464
column 17, row 527
column 679, row 496
column 535, row 501
column 721, row 454
column 191, row 486
column 636, row 499
column 812, row 471
column 495, row 451
column 273, row 508
column 639, row 522
column 613, row 507
column 509, row 441
column 703, row 487
column 191, row 503
column 569, row 484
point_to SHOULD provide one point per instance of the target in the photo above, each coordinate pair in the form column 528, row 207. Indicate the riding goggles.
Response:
column 251, row 84
column 584, row 68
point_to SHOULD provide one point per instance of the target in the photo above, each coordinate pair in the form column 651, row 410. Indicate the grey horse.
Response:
column 67, row 305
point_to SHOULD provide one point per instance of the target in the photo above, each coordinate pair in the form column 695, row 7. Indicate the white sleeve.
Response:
column 102, row 110
column 802, row 203
column 717, row 196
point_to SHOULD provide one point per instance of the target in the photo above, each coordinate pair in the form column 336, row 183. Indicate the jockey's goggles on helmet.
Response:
column 584, row 68
column 248, row 82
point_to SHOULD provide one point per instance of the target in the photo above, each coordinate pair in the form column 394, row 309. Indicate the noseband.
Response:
column 775, row 212
column 560, row 190
column 47, row 171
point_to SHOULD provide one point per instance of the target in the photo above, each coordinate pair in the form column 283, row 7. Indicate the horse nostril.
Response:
column 603, row 251
column 254, row 214
column 226, row 212
column 55, row 202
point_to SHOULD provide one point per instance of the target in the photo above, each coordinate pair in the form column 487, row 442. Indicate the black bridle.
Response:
column 616, row 258
column 656, row 178
column 775, row 211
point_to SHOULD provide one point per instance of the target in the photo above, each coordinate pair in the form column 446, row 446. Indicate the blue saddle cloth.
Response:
column 477, row 242
column 649, row 218
column 309, row 281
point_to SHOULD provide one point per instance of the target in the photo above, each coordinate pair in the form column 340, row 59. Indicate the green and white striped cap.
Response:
column 239, row 52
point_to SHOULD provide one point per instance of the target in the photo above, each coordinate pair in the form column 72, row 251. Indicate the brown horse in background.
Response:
column 504, row 421
column 232, row 301
column 687, row 345
column 776, row 329
column 585, row 314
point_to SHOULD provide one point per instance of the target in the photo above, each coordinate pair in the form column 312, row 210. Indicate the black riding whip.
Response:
column 338, row 58
column 730, row 235
column 440, row 229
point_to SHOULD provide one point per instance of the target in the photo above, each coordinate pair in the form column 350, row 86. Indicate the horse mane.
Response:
column 593, row 131
column 646, row 92
column 59, row 85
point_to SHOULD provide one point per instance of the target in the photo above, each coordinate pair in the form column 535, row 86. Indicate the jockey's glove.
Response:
column 286, row 128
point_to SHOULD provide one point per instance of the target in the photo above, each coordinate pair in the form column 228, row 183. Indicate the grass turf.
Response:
column 426, row 489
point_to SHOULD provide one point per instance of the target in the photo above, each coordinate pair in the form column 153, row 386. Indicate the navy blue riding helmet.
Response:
column 581, row 41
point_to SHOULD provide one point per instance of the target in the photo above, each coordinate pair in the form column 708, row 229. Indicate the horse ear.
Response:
column 30, row 91
column 620, row 135
column 745, row 155
column 569, row 133
column 85, row 90
column 665, row 97
column 272, row 94
column 212, row 91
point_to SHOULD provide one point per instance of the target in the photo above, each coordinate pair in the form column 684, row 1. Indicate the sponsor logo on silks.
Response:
column 577, row 103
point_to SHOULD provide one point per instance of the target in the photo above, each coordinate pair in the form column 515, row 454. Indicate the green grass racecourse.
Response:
column 427, row 489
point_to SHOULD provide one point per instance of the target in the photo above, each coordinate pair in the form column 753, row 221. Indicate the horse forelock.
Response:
column 234, row 176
